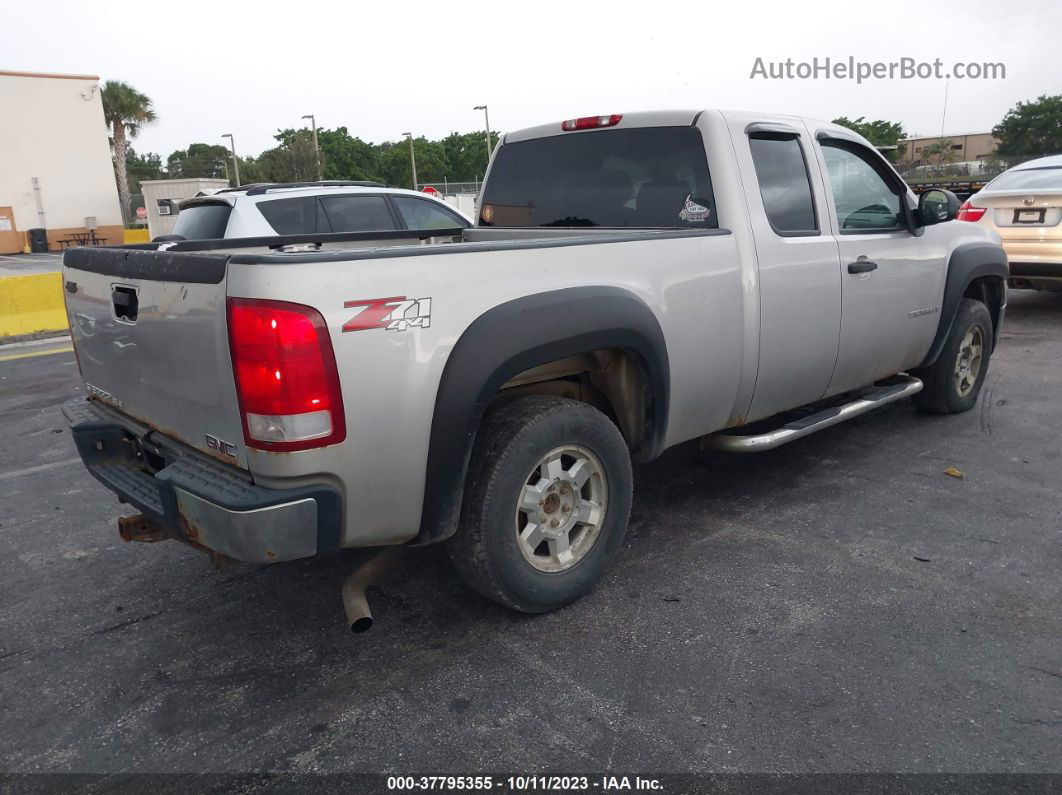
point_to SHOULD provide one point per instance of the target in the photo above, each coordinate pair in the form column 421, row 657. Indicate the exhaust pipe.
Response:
column 359, row 617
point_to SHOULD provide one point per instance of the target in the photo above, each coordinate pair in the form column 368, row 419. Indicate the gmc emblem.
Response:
column 223, row 447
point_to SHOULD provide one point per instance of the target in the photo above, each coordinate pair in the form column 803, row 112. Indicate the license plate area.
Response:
column 1029, row 216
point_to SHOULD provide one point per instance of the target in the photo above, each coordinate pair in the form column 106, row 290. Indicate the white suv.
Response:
column 303, row 208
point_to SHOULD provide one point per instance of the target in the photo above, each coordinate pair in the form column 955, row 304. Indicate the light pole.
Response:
column 412, row 158
column 235, row 162
column 486, row 119
column 316, row 148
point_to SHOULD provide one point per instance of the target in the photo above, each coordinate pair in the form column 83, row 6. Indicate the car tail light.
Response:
column 286, row 376
column 590, row 122
column 967, row 212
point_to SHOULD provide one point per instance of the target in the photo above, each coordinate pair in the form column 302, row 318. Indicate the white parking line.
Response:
column 39, row 468
column 30, row 343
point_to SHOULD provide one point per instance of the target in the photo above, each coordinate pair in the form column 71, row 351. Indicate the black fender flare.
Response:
column 968, row 262
column 516, row 336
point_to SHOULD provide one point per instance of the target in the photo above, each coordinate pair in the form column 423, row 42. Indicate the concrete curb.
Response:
column 31, row 304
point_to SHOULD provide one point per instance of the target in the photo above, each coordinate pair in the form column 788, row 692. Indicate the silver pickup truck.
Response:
column 633, row 281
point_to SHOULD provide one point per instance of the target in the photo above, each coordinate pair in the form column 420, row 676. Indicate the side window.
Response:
column 784, row 183
column 357, row 213
column 864, row 199
column 424, row 214
column 295, row 216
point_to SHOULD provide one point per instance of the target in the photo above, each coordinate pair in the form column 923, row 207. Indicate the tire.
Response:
column 953, row 382
column 515, row 490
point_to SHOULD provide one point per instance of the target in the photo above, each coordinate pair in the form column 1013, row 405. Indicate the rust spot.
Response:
column 140, row 528
column 221, row 561
column 192, row 537
column 270, row 554
column 191, row 531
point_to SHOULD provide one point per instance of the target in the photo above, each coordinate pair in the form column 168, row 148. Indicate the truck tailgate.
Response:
column 150, row 332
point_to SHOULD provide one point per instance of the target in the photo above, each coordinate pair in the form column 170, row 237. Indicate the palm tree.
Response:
column 125, row 110
column 941, row 150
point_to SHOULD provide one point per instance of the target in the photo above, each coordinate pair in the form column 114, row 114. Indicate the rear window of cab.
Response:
column 648, row 177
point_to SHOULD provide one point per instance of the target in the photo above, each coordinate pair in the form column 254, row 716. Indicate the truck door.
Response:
column 800, row 288
column 891, row 281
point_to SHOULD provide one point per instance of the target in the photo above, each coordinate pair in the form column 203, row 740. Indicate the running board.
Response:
column 732, row 441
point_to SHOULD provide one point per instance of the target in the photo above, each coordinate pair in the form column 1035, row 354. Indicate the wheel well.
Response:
column 610, row 379
column 990, row 291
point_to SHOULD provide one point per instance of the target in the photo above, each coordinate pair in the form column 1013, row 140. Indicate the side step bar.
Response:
column 733, row 441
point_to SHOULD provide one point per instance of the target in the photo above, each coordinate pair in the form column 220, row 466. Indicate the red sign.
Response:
column 431, row 190
column 141, row 212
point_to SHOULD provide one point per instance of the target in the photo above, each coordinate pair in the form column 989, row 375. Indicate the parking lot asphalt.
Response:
column 23, row 264
column 839, row 604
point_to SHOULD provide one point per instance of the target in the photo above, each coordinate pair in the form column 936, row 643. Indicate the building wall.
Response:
column 52, row 128
column 975, row 146
column 156, row 189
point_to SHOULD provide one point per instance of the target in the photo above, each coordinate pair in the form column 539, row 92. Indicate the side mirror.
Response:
column 937, row 206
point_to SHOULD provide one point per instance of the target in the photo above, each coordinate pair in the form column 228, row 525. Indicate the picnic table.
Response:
column 88, row 238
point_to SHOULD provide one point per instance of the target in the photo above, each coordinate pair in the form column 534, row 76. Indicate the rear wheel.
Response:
column 953, row 382
column 546, row 503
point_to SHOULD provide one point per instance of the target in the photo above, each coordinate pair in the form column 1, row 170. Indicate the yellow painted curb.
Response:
column 31, row 303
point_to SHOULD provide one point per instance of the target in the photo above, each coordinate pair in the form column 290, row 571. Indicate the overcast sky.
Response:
column 381, row 69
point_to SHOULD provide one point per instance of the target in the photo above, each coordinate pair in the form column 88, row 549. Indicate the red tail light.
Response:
column 967, row 212
column 590, row 122
column 286, row 375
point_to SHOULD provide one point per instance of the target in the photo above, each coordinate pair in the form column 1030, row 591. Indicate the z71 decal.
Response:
column 394, row 314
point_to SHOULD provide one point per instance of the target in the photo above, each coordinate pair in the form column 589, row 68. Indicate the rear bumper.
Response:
column 1041, row 275
column 200, row 500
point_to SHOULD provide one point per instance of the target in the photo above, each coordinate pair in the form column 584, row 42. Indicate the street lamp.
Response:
column 316, row 148
column 486, row 119
column 235, row 162
column 412, row 158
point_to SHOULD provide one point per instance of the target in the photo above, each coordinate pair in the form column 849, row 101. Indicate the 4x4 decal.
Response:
column 397, row 313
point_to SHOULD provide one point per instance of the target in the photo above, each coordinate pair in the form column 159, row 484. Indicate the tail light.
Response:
column 590, row 122
column 967, row 212
column 286, row 376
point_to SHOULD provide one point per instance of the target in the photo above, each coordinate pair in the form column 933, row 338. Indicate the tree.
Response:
column 466, row 154
column 941, row 151
column 431, row 162
column 460, row 157
column 125, row 110
column 294, row 160
column 879, row 132
column 345, row 157
column 141, row 167
column 199, row 160
column 250, row 171
column 1031, row 128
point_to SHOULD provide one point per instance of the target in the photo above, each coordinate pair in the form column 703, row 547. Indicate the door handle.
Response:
column 862, row 266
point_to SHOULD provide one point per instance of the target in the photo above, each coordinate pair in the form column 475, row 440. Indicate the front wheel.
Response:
column 546, row 503
column 953, row 382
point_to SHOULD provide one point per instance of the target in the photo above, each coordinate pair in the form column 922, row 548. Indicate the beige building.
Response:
column 56, row 171
column 161, row 197
column 973, row 146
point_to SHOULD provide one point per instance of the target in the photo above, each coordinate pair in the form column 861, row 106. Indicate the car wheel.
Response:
column 953, row 382
column 546, row 503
